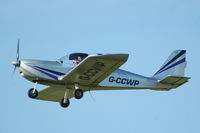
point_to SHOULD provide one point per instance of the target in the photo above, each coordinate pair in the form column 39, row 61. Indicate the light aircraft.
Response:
column 76, row 73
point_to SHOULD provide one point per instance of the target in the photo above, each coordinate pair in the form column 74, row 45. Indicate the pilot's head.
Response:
column 79, row 58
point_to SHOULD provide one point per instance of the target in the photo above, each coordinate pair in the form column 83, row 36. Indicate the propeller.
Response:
column 16, row 63
column 17, row 55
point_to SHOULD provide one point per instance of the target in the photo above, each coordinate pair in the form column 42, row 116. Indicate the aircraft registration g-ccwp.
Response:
column 76, row 73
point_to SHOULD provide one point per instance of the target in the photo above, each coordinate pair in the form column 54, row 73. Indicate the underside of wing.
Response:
column 53, row 93
column 94, row 69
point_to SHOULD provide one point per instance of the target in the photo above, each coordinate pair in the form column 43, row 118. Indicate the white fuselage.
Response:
column 48, row 73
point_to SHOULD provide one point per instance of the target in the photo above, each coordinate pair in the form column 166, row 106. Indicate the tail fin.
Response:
column 173, row 66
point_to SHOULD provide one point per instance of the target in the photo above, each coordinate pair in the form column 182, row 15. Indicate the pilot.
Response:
column 78, row 60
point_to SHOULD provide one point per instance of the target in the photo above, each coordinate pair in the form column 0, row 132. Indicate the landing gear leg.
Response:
column 33, row 93
column 65, row 101
column 78, row 93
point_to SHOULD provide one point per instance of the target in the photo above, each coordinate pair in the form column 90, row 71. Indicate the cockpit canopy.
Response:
column 68, row 60
column 74, row 56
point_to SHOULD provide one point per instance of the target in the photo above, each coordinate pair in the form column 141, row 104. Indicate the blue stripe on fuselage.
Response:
column 51, row 71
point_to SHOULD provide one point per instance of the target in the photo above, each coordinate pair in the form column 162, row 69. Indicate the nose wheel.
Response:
column 32, row 93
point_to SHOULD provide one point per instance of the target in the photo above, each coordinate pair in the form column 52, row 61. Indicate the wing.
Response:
column 94, row 69
column 53, row 93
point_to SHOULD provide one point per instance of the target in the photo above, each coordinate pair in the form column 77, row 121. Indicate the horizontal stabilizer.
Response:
column 174, row 80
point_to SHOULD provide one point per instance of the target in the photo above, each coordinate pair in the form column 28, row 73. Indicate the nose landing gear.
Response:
column 33, row 93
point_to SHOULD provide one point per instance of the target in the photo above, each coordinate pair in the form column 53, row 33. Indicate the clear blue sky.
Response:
column 149, row 30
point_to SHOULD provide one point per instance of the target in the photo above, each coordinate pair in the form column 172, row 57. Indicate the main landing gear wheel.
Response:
column 63, row 103
column 32, row 93
column 78, row 94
